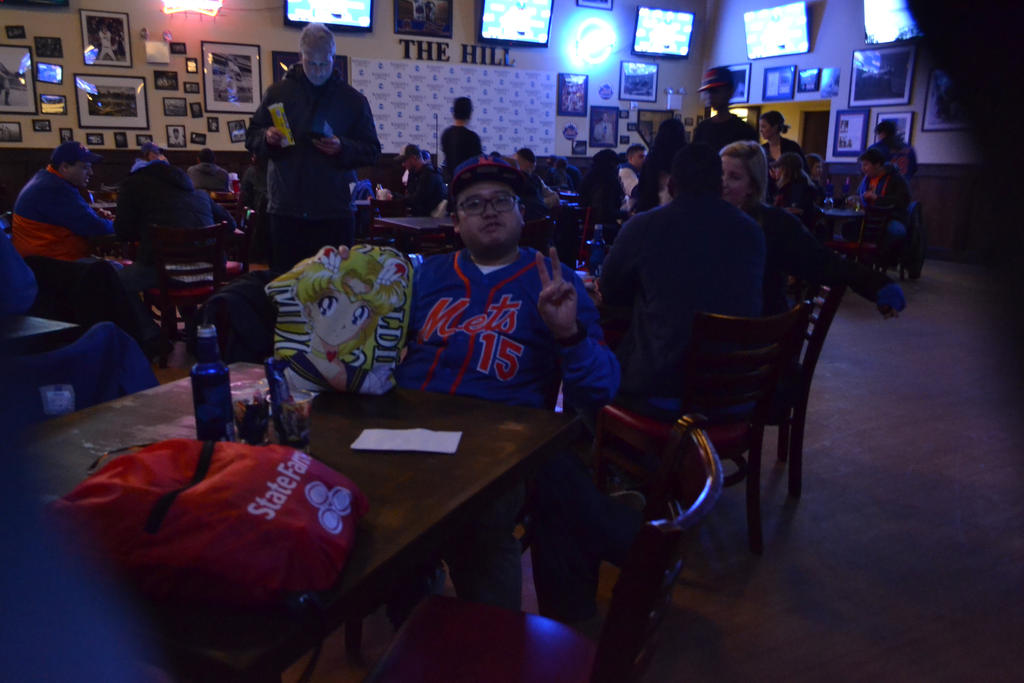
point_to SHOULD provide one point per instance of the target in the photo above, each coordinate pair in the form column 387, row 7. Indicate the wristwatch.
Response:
column 575, row 338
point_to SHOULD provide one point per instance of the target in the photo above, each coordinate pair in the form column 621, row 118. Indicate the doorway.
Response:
column 814, row 132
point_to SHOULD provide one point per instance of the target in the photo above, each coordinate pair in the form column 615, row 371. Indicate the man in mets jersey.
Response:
column 504, row 323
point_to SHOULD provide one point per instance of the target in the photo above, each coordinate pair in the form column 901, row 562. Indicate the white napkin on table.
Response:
column 422, row 440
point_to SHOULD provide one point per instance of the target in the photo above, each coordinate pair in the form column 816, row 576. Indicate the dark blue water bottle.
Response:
column 597, row 251
column 211, row 390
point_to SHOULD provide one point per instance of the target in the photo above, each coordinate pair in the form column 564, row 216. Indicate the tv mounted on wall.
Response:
column 662, row 32
column 520, row 22
column 777, row 31
column 337, row 15
column 888, row 21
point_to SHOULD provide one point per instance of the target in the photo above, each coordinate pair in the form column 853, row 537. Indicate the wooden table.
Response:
column 22, row 334
column 409, row 231
column 417, row 503
column 840, row 216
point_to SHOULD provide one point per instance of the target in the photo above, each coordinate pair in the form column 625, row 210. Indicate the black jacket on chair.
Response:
column 161, row 194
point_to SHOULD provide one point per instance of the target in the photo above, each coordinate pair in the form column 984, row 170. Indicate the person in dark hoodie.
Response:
column 207, row 175
column 157, row 193
column 884, row 186
column 334, row 133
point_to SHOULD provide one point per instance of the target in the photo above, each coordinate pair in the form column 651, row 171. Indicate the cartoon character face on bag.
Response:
column 333, row 504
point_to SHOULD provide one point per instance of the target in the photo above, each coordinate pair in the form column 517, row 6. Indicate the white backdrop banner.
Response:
column 411, row 104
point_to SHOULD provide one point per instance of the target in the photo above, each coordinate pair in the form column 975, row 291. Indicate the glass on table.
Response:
column 293, row 422
column 251, row 408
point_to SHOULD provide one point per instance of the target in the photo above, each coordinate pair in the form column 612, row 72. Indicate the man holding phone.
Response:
column 308, row 173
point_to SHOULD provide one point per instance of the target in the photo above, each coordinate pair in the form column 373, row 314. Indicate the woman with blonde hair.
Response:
column 789, row 248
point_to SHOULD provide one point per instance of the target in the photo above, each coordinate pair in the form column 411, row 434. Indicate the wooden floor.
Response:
column 904, row 559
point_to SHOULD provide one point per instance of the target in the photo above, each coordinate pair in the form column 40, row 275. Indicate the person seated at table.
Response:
column 794, row 191
column 426, row 186
column 697, row 253
column 538, row 198
column 652, row 185
column 207, row 175
column 147, row 153
column 896, row 151
column 629, row 172
column 771, row 126
column 18, row 286
column 557, row 176
column 503, row 323
column 51, row 217
column 601, row 192
column 790, row 249
column 817, row 170
column 884, row 186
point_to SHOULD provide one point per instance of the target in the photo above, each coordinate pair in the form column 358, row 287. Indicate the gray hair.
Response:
column 316, row 37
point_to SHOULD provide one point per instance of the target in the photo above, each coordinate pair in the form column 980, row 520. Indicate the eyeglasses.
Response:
column 474, row 206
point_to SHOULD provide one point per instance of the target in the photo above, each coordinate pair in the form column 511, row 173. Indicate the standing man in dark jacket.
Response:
column 716, row 89
column 333, row 132
column 426, row 188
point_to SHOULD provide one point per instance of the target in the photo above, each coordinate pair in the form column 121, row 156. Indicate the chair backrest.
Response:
column 824, row 305
column 643, row 591
column 538, row 234
column 388, row 208
column 189, row 257
column 733, row 362
column 873, row 226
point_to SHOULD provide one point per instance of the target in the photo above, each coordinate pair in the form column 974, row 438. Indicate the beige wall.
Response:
column 263, row 25
column 837, row 29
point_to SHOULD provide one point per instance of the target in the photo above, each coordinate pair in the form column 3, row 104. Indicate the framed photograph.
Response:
column 197, row 138
column 778, row 83
column 741, row 77
column 41, row 125
column 94, row 139
column 829, row 82
column 851, row 134
column 688, row 121
column 191, row 87
column 19, row 94
column 623, row 139
column 903, row 120
column 631, row 126
column 623, row 113
column 423, row 18
column 572, row 94
column 282, row 61
column 15, row 32
column 175, row 106
column 595, row 4
column 944, row 107
column 236, row 130
column 142, row 138
column 191, row 65
column 111, row 101
column 808, row 80
column 165, row 80
column 175, row 136
column 10, row 131
column 638, row 82
column 231, row 76
column 178, row 48
column 212, row 124
column 53, row 105
column 604, row 126
column 647, row 122
column 196, row 109
column 121, row 139
column 49, row 73
column 579, row 148
column 882, row 76
column 49, row 47
column 106, row 38
column 67, row 135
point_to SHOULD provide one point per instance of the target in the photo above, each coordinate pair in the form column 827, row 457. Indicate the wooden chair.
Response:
column 446, row 639
column 912, row 259
column 730, row 372
column 866, row 248
column 190, row 264
column 791, row 410
column 237, row 244
column 384, row 208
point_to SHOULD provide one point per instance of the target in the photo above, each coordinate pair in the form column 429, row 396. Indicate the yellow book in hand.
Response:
column 281, row 123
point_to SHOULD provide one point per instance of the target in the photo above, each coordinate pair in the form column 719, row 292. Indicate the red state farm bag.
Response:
column 217, row 522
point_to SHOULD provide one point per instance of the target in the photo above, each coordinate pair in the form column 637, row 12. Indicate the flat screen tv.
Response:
column 36, row 3
column 662, row 32
column 887, row 21
column 520, row 22
column 337, row 15
column 777, row 31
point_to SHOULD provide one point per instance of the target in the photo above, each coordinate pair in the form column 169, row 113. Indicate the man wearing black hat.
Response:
column 503, row 323
column 51, row 217
column 426, row 187
column 716, row 89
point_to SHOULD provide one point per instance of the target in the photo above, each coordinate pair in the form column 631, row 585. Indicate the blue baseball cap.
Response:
column 483, row 168
column 72, row 152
